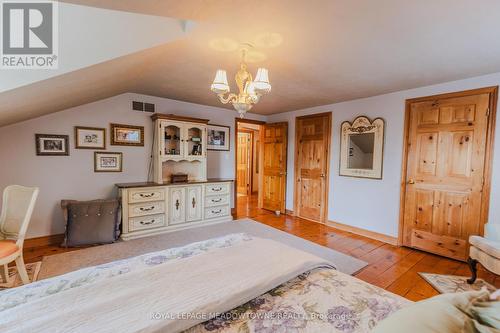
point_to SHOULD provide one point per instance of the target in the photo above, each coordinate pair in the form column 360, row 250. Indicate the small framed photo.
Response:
column 108, row 161
column 127, row 135
column 90, row 138
column 218, row 137
column 52, row 145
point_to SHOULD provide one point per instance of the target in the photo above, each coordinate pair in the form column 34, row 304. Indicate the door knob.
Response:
column 322, row 175
column 411, row 181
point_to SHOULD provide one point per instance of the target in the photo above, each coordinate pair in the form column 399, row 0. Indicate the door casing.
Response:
column 236, row 122
column 249, row 166
column 488, row 165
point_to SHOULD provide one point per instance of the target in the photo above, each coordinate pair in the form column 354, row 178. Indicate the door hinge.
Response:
column 487, row 112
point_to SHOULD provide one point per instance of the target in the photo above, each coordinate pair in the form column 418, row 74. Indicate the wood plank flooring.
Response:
column 390, row 267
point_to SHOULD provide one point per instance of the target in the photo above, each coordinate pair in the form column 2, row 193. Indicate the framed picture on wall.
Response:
column 90, row 137
column 127, row 135
column 218, row 137
column 108, row 161
column 52, row 145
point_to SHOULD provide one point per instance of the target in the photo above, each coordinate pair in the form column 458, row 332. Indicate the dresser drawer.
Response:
column 217, row 188
column 144, row 195
column 146, row 222
column 214, row 212
column 146, row 208
column 216, row 200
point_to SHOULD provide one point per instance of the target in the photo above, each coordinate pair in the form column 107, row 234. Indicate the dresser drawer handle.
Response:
column 147, row 223
column 217, row 211
column 143, row 195
column 144, row 209
column 217, row 200
column 177, row 203
column 216, row 189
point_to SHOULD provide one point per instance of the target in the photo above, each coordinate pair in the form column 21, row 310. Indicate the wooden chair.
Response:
column 17, row 207
column 485, row 250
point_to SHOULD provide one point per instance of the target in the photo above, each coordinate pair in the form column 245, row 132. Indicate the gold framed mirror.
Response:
column 362, row 147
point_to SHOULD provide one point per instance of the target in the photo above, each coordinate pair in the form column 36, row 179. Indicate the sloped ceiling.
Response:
column 330, row 51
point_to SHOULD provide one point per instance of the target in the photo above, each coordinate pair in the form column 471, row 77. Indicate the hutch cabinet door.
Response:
column 194, row 203
column 194, row 144
column 173, row 139
column 177, row 205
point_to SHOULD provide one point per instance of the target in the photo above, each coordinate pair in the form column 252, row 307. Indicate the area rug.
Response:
column 453, row 283
column 66, row 262
column 33, row 270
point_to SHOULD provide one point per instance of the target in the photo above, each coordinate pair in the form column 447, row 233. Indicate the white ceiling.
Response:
column 83, row 45
column 331, row 51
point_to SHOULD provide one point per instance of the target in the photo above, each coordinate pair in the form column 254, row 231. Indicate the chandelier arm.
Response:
column 253, row 99
column 230, row 98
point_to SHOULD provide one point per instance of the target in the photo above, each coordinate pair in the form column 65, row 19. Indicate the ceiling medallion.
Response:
column 250, row 90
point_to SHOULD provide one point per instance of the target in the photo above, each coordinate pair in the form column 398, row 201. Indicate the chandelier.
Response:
column 250, row 90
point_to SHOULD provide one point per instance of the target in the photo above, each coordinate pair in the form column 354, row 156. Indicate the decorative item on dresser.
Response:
column 150, row 208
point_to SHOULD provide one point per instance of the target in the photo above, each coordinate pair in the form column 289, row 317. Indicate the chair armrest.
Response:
column 488, row 246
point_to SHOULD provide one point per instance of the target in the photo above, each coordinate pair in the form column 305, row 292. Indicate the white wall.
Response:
column 363, row 203
column 374, row 204
column 73, row 177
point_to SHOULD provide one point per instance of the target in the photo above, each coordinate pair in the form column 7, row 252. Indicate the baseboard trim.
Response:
column 363, row 232
column 289, row 212
column 43, row 241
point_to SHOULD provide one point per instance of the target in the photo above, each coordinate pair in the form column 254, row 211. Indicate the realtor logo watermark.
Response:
column 29, row 34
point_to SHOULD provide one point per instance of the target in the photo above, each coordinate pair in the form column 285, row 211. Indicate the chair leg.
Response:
column 4, row 273
column 22, row 270
column 473, row 268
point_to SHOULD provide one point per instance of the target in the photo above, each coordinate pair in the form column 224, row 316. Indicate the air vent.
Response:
column 137, row 106
column 141, row 106
column 149, row 107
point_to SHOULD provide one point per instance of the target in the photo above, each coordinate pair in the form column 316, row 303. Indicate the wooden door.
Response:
column 194, row 203
column 272, row 175
column 446, row 154
column 312, row 158
column 243, row 166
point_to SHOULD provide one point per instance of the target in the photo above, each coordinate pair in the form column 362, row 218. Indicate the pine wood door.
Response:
column 447, row 140
column 243, row 163
column 312, row 156
column 272, row 175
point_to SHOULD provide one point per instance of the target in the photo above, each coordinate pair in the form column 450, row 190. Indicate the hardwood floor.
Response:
column 389, row 267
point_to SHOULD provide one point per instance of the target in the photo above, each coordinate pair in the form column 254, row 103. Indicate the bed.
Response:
column 234, row 283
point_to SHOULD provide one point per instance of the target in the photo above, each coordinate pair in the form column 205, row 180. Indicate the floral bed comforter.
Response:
column 321, row 300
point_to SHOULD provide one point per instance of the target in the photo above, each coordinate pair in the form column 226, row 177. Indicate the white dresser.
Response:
column 150, row 209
